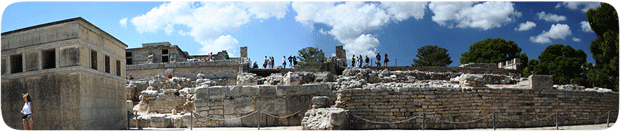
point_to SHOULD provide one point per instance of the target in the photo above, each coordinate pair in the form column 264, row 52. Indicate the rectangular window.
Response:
column 118, row 68
column 128, row 54
column 107, row 64
column 93, row 59
column 164, row 51
column 129, row 61
column 164, row 59
column 16, row 63
column 49, row 58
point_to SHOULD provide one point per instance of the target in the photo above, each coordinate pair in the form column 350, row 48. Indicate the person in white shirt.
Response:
column 27, row 112
column 284, row 61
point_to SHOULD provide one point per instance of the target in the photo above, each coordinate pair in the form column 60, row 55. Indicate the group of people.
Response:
column 269, row 62
column 359, row 61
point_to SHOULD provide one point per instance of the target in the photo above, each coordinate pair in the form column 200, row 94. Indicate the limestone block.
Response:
column 159, row 121
column 202, row 92
column 149, row 94
column 234, row 91
column 217, row 92
column 284, row 90
column 250, row 91
column 70, row 56
column 232, row 120
column 229, row 106
column 279, row 106
column 320, row 101
column 540, row 82
column 339, row 118
column 265, row 104
column 187, row 91
column 244, row 105
column 129, row 105
column 267, row 90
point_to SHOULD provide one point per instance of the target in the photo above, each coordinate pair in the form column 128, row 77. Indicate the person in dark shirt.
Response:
column 367, row 60
column 353, row 61
column 378, row 60
column 386, row 60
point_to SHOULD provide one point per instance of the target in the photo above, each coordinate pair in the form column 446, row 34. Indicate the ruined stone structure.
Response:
column 161, row 52
column 74, row 72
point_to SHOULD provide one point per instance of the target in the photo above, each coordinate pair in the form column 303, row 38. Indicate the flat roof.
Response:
column 58, row 22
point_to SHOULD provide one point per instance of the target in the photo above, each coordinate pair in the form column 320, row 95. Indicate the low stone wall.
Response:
column 513, row 107
column 220, row 69
column 449, row 69
column 237, row 105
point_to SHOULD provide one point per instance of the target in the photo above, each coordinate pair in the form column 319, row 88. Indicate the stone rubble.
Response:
column 325, row 119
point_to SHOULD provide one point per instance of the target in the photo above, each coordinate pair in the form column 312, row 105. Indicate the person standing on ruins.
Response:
column 290, row 61
column 272, row 62
column 359, row 61
column 294, row 61
column 265, row 63
column 367, row 60
column 283, row 61
column 353, row 61
column 378, row 60
column 386, row 60
column 27, row 112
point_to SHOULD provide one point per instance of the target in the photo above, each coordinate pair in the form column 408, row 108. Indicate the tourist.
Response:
column 353, row 61
column 386, row 60
column 130, row 77
column 360, row 61
column 290, row 60
column 226, row 56
column 255, row 65
column 378, row 62
column 266, row 62
column 283, row 61
column 272, row 62
column 367, row 60
column 27, row 112
column 294, row 61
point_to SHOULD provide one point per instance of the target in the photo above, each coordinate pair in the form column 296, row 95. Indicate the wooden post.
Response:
column 608, row 112
column 258, row 119
column 493, row 120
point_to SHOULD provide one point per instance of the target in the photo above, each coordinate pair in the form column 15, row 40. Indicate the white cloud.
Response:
column 585, row 26
column 558, row 5
column 222, row 42
column 575, row 39
column 123, row 22
column 350, row 20
column 206, row 20
column 484, row 16
column 557, row 31
column 550, row 17
column 526, row 26
column 583, row 6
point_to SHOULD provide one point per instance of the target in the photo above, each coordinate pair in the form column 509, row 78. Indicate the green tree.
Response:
column 310, row 56
column 492, row 51
column 432, row 56
column 529, row 69
column 563, row 62
column 604, row 49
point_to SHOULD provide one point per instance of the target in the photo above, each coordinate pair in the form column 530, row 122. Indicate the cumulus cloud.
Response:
column 550, row 17
column 583, row 6
column 351, row 20
column 222, row 42
column 557, row 31
column 207, row 20
column 123, row 22
column 484, row 16
column 585, row 26
column 575, row 39
column 526, row 26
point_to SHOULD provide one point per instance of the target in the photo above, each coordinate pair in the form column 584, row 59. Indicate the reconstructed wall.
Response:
column 442, row 104
column 232, row 102
column 139, row 55
column 70, row 94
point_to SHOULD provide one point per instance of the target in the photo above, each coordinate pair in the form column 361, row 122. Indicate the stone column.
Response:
column 244, row 51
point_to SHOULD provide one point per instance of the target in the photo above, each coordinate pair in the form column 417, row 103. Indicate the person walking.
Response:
column 27, row 112
column 353, row 61
column 378, row 62
column 386, row 60
column 283, row 61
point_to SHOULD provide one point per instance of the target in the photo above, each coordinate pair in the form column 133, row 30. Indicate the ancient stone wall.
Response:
column 449, row 69
column 220, row 69
column 159, row 53
column 513, row 107
column 238, row 104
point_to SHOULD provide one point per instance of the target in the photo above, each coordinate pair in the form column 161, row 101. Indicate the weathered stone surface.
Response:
column 245, row 105
column 326, row 119
column 246, row 79
column 217, row 92
column 267, row 90
column 232, row 120
column 298, row 78
column 274, row 79
column 320, row 101
column 541, row 82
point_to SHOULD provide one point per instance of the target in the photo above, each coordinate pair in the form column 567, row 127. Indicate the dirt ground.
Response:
column 574, row 127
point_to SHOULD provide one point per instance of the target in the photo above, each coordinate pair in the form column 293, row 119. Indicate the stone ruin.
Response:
column 325, row 101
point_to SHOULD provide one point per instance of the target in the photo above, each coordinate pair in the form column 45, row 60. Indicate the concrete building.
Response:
column 74, row 72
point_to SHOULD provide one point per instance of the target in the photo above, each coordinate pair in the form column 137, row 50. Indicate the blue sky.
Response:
column 281, row 28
